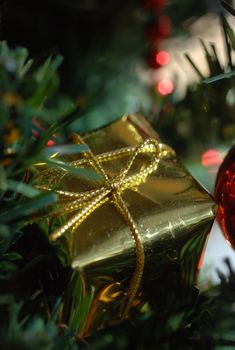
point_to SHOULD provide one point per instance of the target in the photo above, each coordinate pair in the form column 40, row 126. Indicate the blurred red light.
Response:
column 163, row 58
column 50, row 143
column 165, row 87
column 212, row 157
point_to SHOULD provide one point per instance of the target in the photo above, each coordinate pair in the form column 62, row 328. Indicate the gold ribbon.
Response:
column 87, row 202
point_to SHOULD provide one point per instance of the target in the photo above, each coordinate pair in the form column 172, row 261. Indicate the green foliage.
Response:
column 208, row 324
column 104, row 43
column 28, row 105
column 205, row 117
column 34, row 334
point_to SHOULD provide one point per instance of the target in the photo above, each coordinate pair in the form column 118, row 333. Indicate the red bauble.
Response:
column 225, row 195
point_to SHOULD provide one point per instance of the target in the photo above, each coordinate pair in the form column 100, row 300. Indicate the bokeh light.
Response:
column 162, row 58
column 165, row 87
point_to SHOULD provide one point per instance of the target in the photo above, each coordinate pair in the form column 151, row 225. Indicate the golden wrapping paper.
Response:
column 168, row 211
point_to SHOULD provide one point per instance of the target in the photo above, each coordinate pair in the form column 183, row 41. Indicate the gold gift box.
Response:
column 173, row 215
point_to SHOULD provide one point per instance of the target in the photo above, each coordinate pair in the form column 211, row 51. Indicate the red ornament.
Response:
column 225, row 195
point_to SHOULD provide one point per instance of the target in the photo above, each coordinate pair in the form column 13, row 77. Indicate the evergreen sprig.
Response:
column 208, row 324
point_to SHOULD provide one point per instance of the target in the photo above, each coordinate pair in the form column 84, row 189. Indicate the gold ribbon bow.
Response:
column 87, row 202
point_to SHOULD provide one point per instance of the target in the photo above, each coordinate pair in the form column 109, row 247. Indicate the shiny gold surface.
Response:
column 146, row 192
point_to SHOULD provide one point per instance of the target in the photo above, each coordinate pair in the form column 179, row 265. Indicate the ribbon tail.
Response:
column 140, row 255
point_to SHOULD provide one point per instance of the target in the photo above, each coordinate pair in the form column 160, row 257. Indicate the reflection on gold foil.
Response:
column 110, row 293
